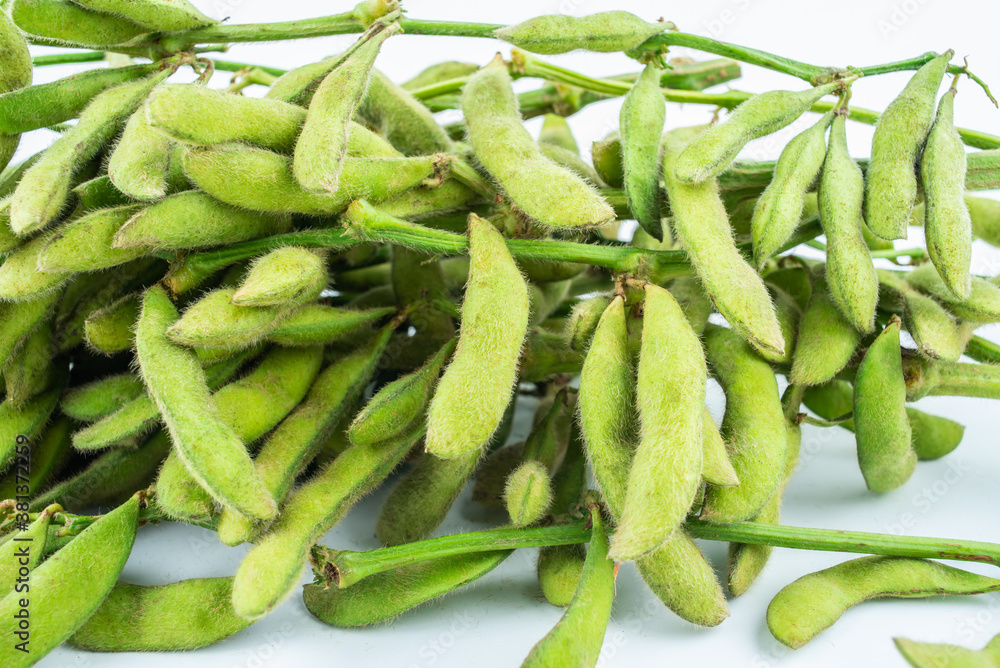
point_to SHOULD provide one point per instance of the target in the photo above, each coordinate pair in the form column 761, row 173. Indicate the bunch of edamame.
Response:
column 247, row 312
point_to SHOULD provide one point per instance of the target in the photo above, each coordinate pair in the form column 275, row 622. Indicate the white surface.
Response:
column 497, row 621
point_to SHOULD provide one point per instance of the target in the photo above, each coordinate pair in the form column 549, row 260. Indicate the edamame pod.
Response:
column 91, row 402
column 981, row 305
column 438, row 72
column 826, row 341
column 850, row 274
column 671, row 399
column 716, row 468
column 322, row 143
column 402, row 119
column 985, row 214
column 85, row 244
column 260, row 180
column 67, row 22
column 778, row 211
column 541, row 189
column 154, row 15
column 947, row 223
column 606, row 156
column 19, row 320
column 272, row 569
column 935, row 655
column 20, row 279
column 556, row 132
column 527, row 493
column 286, row 275
column 702, row 224
column 140, row 163
column 112, row 329
column 22, row 553
column 583, row 320
column 789, row 314
column 16, row 74
column 468, row 405
column 71, row 584
column 935, row 332
column 164, row 618
column 28, row 373
column 814, row 602
column 642, row 117
column 314, row 324
column 559, row 570
column 41, row 195
column 211, row 450
column 215, row 321
column 100, row 193
column 753, row 426
column 48, row 456
column 604, row 32
column 891, row 181
column 885, row 450
column 27, row 421
column 711, row 151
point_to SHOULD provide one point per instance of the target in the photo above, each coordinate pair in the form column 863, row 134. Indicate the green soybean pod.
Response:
column 16, row 74
column 8, row 240
column 414, row 276
column 85, row 244
column 140, row 162
column 604, row 32
column 322, row 143
column 272, row 569
column 826, row 340
column 702, row 224
column 42, row 193
column 284, row 275
column 67, row 22
column 469, row 405
column 20, row 279
column 814, row 602
column 981, row 305
column 71, row 584
column 28, row 373
column 438, row 72
column 365, row 603
column 166, row 225
column 115, row 474
column 559, row 570
column 100, row 193
column 22, row 553
column 947, row 223
column 541, row 189
column 939, row 655
column 753, row 426
column 261, row 180
column 97, row 399
column 296, row 441
column 885, row 450
column 643, row 114
column 985, row 214
column 716, row 468
column 215, row 321
column 671, row 399
column 111, row 329
column 778, row 211
column 935, row 332
column 401, row 118
column 556, row 132
column 320, row 324
column 18, row 320
column 789, row 314
column 27, row 421
column 154, row 15
column 213, row 452
column 577, row 638
column 714, row 149
column 850, row 274
column 606, row 156
column 680, row 576
column 527, row 493
column 48, row 456
column 164, row 618
column 900, row 134
column 583, row 320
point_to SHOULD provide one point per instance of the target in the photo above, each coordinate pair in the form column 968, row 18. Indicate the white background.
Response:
column 496, row 622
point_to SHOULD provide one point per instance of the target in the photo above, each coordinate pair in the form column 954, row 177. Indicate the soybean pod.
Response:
column 642, row 117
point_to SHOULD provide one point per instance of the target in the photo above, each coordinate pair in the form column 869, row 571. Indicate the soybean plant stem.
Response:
column 67, row 58
column 957, row 379
column 983, row 350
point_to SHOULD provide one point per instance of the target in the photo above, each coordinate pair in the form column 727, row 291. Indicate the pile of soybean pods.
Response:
column 245, row 313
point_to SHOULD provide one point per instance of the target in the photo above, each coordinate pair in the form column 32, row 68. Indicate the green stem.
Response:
column 232, row 66
column 337, row 24
column 66, row 58
column 955, row 379
column 983, row 350
column 892, row 254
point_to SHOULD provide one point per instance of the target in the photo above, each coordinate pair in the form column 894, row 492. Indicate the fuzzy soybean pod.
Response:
column 71, row 585
column 711, row 151
column 140, row 162
column 366, row 603
column 272, row 569
column 29, row 372
column 65, row 21
column 85, row 244
column 981, row 305
column 19, row 320
column 20, row 279
column 261, row 180
column 22, row 553
column 583, row 320
column 48, row 456
column 826, row 340
column 947, row 223
column 216, row 322
column 296, row 441
column 544, row 191
column 753, row 426
column 212, row 451
column 27, row 421
column 671, row 399
column 166, row 225
column 16, row 74
column 814, row 602
column 402, row 119
column 606, row 156
column 577, row 638
column 399, row 404
column 469, row 405
column 939, row 655
column 702, row 224
column 322, row 144
column 642, row 117
column 891, row 180
column 985, row 215
column 91, row 402
column 154, row 15
column 850, row 274
column 320, row 324
column 935, row 332
column 779, row 210
column 282, row 276
column 604, row 32
column 111, row 329
column 885, row 439
column 716, row 468
column 42, row 193
column 556, row 132
column 527, row 493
